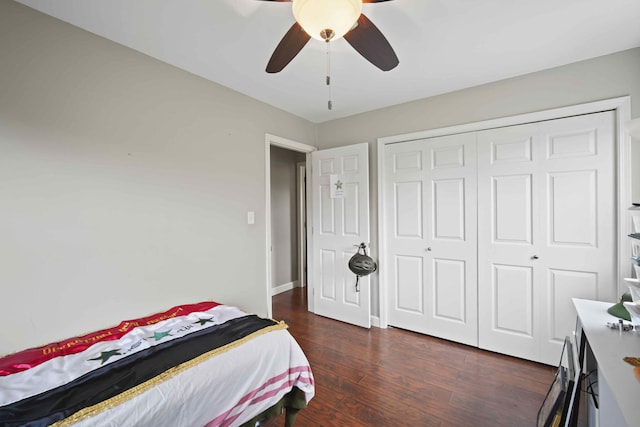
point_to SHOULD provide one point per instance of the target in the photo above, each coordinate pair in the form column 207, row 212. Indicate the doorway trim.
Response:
column 288, row 144
column 622, row 108
column 301, row 179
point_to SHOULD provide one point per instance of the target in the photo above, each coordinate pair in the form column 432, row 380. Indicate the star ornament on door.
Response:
column 336, row 185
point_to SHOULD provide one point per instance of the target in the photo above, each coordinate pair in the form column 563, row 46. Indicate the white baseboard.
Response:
column 283, row 288
column 375, row 321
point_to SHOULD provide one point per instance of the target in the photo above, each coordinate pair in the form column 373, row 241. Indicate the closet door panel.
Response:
column 430, row 217
column 564, row 285
column 511, row 215
column 507, row 239
column 408, row 295
column 448, row 209
column 577, row 221
column 453, row 238
column 512, row 300
column 449, row 299
column 407, row 204
column 573, row 208
column 405, row 195
column 546, row 205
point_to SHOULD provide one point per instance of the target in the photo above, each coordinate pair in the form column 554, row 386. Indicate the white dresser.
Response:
column 617, row 388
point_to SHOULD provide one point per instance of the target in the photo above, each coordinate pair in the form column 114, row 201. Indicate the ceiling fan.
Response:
column 329, row 20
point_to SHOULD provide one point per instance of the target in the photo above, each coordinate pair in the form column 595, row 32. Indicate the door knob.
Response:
column 534, row 257
column 428, row 249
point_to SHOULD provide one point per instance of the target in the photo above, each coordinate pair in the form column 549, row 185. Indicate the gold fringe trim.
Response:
column 94, row 410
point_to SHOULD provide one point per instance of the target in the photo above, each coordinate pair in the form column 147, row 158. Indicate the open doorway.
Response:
column 285, row 165
column 287, row 198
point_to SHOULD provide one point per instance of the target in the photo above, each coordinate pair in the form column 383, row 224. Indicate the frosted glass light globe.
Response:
column 317, row 15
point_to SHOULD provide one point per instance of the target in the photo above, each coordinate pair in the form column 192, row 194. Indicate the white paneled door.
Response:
column 340, row 206
column 546, row 203
column 430, row 211
column 488, row 235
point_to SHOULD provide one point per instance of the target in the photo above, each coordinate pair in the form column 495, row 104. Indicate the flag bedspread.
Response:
column 216, row 367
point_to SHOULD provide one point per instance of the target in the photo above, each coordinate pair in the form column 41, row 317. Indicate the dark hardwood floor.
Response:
column 392, row 377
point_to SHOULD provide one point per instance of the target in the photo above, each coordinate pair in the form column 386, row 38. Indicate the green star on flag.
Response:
column 106, row 355
column 203, row 321
column 159, row 335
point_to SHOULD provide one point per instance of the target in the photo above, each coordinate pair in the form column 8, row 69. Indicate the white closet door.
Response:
column 578, row 223
column 546, row 230
column 430, row 193
column 508, row 207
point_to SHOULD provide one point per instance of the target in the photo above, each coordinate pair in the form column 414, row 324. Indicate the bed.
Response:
column 203, row 364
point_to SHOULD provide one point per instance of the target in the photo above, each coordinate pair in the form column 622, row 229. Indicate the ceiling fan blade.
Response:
column 367, row 39
column 288, row 48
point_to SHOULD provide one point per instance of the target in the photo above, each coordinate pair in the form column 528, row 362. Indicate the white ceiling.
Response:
column 443, row 45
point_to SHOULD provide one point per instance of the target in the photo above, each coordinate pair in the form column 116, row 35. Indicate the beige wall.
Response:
column 592, row 80
column 124, row 184
column 596, row 79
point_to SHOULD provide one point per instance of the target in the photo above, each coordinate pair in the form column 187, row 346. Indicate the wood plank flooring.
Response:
column 392, row 377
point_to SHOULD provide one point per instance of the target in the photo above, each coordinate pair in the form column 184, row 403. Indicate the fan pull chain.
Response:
column 329, row 105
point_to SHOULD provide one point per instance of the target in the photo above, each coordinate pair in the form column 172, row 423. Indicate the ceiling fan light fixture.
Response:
column 318, row 16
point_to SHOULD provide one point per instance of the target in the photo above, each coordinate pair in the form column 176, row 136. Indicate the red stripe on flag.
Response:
column 29, row 358
column 292, row 376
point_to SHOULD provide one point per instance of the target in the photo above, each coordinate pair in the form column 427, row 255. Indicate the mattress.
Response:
column 203, row 364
